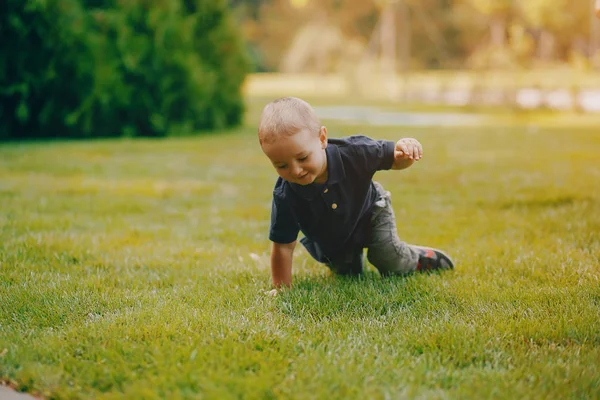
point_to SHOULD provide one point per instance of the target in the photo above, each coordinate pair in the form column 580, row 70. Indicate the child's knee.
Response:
column 349, row 264
column 398, row 259
column 395, row 267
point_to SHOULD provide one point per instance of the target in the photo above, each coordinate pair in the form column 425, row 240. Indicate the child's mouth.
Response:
column 303, row 177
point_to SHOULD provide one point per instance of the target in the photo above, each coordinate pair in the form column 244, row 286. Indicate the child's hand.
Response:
column 408, row 149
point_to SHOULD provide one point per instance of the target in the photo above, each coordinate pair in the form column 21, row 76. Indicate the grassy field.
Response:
column 137, row 269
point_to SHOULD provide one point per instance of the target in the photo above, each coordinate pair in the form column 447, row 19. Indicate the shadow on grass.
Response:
column 533, row 204
column 365, row 296
column 172, row 134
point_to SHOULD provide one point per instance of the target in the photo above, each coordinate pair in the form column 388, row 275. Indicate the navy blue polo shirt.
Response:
column 333, row 216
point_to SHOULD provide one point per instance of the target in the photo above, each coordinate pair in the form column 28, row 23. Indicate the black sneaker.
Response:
column 433, row 259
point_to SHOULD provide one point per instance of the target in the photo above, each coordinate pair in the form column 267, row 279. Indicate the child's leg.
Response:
column 385, row 250
column 388, row 253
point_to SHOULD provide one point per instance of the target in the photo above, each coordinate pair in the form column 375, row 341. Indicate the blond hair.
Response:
column 285, row 117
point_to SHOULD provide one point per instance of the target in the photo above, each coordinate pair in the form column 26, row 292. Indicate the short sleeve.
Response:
column 377, row 154
column 284, row 227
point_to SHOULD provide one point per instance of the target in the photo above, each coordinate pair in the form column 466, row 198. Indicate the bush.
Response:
column 113, row 68
column 44, row 67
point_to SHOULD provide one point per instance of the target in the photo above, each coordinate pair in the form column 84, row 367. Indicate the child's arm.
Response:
column 281, row 263
column 407, row 151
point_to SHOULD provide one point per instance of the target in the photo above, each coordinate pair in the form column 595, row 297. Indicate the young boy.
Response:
column 325, row 189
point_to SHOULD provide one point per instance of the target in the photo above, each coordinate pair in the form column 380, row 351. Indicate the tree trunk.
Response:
column 546, row 46
column 498, row 31
column 388, row 49
column 594, row 33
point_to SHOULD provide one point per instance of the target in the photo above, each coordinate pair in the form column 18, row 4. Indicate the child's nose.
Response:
column 297, row 171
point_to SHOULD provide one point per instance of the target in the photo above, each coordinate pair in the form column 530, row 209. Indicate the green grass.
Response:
column 137, row 269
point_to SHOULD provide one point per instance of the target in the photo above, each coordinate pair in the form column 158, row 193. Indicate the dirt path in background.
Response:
column 7, row 393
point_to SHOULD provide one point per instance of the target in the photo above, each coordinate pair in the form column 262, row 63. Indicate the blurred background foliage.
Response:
column 72, row 68
column 442, row 33
column 97, row 68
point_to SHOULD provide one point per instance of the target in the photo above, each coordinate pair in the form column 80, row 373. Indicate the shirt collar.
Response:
column 335, row 174
column 335, row 168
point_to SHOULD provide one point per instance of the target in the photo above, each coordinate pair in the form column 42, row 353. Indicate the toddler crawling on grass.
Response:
column 326, row 190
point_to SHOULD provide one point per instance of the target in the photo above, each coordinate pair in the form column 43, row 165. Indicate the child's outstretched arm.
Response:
column 281, row 263
column 407, row 151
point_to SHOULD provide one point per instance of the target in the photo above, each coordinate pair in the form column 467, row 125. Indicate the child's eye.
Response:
column 280, row 166
column 303, row 158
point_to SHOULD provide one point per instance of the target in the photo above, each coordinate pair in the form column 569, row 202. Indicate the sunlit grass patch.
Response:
column 138, row 269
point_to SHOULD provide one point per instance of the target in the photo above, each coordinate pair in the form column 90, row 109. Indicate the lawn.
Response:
column 138, row 269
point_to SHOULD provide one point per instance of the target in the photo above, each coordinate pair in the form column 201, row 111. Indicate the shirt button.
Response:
column 326, row 190
column 334, row 206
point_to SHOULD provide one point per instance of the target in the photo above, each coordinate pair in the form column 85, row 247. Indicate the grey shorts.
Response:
column 385, row 250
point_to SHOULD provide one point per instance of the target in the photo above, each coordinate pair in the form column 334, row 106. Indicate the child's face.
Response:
column 300, row 158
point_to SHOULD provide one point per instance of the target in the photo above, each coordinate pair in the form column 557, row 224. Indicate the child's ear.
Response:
column 323, row 137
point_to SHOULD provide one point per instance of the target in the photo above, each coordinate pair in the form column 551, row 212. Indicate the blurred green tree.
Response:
column 112, row 68
column 45, row 67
